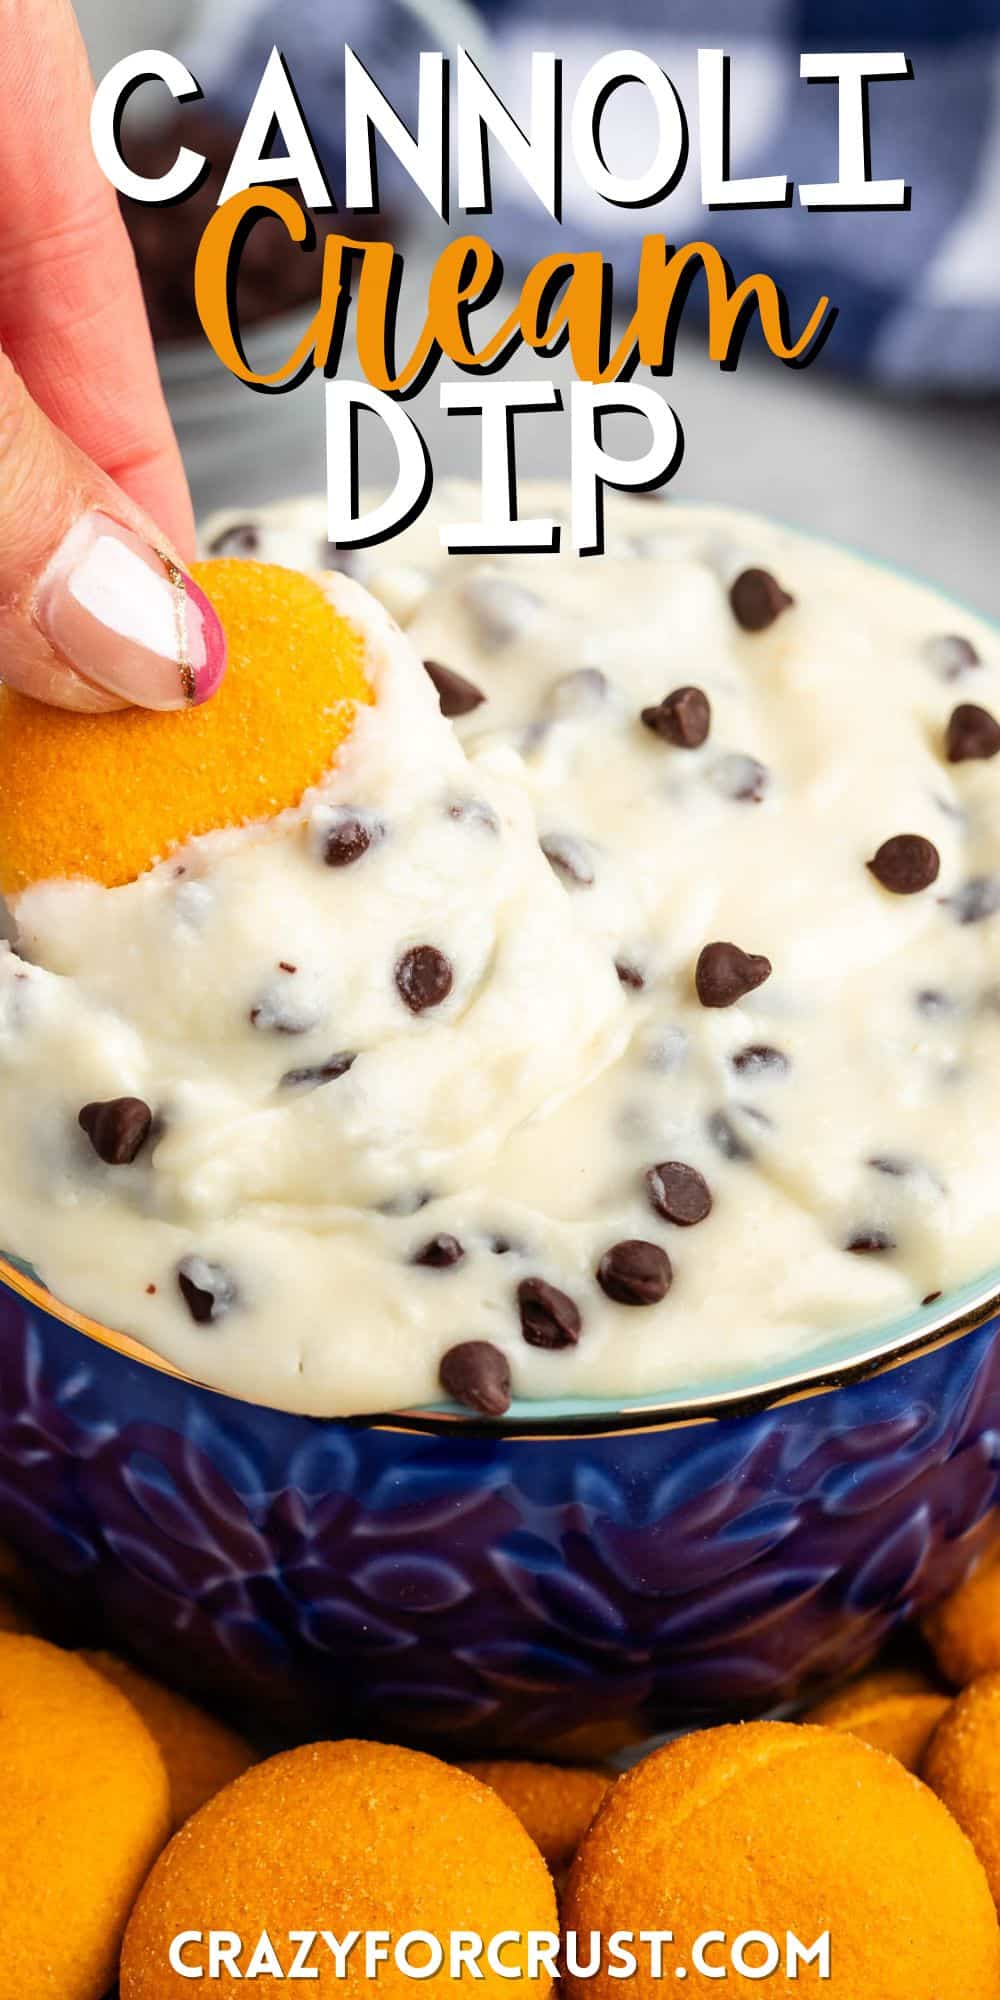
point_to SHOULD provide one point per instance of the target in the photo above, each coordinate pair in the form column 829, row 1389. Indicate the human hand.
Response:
column 96, row 609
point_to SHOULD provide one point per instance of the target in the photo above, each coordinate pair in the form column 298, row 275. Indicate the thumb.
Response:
column 96, row 611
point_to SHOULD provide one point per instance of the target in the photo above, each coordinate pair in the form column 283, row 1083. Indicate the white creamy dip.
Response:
column 316, row 1128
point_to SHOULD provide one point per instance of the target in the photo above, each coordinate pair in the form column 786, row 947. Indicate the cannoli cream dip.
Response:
column 620, row 1015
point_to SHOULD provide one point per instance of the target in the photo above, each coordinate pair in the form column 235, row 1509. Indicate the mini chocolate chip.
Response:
column 932, row 1002
column 905, row 864
column 117, row 1129
column 456, row 695
column 724, row 973
column 759, row 1059
column 474, row 812
column 477, row 1374
column 868, row 1242
column 549, row 1318
column 629, row 974
column 635, row 1273
column 242, row 539
column 725, row 1137
column 318, row 1073
column 423, row 977
column 283, row 966
column 348, row 839
column 679, row 1193
column 971, row 732
column 976, row 900
column 439, row 1253
column 682, row 717
column 570, row 858
column 891, row 1164
column 757, row 599
column 951, row 655
column 741, row 777
column 208, row 1290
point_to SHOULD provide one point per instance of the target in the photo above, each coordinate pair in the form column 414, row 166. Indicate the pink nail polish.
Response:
column 128, row 619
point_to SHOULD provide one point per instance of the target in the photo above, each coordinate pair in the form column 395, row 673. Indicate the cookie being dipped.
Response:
column 377, row 1838
column 783, row 1828
column 105, row 796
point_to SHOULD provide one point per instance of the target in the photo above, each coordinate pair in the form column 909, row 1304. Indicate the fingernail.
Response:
column 128, row 619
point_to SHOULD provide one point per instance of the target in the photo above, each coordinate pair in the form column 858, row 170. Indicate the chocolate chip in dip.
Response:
column 209, row 1291
column 635, row 1273
column 630, row 975
column 760, row 1059
column 474, row 813
column 313, row 1075
column 870, row 1242
column 972, row 733
column 117, row 1129
column 741, row 777
column 951, row 655
column 724, row 1131
column 350, row 835
column 423, row 977
column 477, row 1374
column 570, row 857
column 439, row 1253
column 725, row 973
column 679, row 1193
column 682, row 718
column 975, row 900
column 456, row 695
column 757, row 599
column 549, row 1317
column 905, row 864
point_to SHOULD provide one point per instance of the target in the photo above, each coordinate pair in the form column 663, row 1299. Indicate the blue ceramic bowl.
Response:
column 424, row 1577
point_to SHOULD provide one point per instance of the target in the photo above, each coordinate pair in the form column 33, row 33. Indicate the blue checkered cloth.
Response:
column 918, row 293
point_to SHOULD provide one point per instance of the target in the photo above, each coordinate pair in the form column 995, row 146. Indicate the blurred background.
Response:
column 890, row 442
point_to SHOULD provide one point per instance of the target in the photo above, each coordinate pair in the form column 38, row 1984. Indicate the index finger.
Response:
column 72, row 316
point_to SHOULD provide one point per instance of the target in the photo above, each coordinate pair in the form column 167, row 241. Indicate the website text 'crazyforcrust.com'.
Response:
column 299, row 1954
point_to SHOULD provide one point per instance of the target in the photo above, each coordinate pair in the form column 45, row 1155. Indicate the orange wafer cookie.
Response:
column 963, row 1632
column 106, row 796
column 86, row 1810
column 962, row 1765
column 354, row 1836
column 201, row 1755
column 555, row 1803
column 894, row 1711
column 778, row 1827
